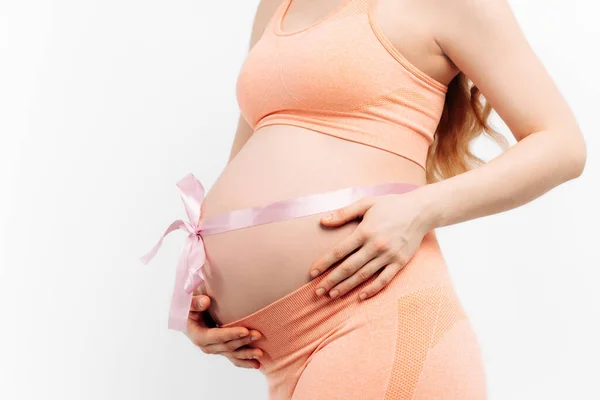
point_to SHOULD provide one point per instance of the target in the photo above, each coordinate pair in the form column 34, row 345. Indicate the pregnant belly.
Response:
column 249, row 268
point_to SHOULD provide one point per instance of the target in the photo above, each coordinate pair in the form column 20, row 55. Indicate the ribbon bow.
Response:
column 189, row 275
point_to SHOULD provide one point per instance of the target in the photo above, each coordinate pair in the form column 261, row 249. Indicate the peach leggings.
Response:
column 412, row 340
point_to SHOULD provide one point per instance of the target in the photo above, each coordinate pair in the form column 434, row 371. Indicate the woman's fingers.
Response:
column 252, row 364
column 245, row 353
column 346, row 269
column 383, row 279
column 200, row 303
column 347, row 246
column 348, row 213
column 195, row 316
column 359, row 277
column 228, row 342
column 203, row 336
column 222, row 336
column 221, row 340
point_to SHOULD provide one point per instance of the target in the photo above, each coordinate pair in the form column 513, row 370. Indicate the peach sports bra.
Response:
column 342, row 77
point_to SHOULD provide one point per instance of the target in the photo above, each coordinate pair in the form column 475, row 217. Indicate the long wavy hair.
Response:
column 464, row 118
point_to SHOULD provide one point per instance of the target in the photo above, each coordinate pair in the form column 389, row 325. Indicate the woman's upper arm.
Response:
column 264, row 12
column 483, row 39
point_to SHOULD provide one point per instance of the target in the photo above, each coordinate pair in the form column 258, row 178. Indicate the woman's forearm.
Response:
column 536, row 164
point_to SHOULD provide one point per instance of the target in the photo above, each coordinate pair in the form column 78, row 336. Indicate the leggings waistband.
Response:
column 301, row 319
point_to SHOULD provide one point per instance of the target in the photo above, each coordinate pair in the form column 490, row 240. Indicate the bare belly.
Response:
column 249, row 268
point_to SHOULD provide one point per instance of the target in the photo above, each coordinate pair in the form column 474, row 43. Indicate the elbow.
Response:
column 576, row 155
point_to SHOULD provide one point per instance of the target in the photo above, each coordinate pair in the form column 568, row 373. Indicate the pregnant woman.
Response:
column 364, row 110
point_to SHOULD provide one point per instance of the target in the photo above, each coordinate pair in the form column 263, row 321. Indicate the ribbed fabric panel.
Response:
column 450, row 313
column 423, row 319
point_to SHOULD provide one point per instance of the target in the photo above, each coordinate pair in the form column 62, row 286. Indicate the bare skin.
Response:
column 441, row 37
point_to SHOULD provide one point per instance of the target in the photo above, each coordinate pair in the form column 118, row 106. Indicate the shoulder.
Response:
column 265, row 11
column 485, row 41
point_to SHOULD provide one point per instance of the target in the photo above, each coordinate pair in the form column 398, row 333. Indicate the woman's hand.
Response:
column 228, row 342
column 389, row 234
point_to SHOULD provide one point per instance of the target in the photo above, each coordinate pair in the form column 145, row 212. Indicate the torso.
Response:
column 249, row 268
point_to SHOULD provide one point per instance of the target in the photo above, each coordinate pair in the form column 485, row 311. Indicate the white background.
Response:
column 104, row 105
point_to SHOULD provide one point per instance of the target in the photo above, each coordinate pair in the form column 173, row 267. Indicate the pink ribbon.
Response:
column 193, row 256
column 189, row 274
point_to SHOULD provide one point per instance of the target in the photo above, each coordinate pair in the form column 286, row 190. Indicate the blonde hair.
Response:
column 464, row 118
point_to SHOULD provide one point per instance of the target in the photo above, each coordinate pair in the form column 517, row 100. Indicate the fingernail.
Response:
column 314, row 272
column 243, row 334
column 327, row 217
column 334, row 293
column 201, row 302
column 363, row 296
column 254, row 337
column 320, row 291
